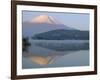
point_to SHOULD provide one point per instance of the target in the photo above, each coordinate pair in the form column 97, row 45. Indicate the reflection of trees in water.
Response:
column 25, row 44
column 64, row 46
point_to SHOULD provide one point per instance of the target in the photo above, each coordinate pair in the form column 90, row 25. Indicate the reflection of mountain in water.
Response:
column 43, row 60
column 45, row 52
column 70, row 59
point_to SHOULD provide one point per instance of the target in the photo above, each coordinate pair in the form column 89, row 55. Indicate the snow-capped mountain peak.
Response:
column 44, row 19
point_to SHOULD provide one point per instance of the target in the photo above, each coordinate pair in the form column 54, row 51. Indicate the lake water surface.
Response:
column 56, row 53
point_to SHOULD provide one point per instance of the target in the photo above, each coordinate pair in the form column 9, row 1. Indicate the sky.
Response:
column 78, row 21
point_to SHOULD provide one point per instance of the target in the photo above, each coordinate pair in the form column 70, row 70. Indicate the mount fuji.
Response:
column 42, row 23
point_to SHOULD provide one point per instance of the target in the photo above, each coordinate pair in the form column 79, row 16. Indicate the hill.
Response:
column 62, row 34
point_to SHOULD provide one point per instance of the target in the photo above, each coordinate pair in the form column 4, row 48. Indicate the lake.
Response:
column 56, row 53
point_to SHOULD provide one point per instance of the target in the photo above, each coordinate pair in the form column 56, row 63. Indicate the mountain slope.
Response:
column 62, row 34
column 30, row 29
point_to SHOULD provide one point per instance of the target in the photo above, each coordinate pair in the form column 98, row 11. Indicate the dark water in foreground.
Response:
column 53, row 53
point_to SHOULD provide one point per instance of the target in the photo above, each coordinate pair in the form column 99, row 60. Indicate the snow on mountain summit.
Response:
column 44, row 19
